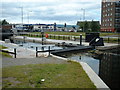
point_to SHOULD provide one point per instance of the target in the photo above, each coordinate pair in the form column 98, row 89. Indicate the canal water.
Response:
column 85, row 57
column 33, row 46
column 107, row 66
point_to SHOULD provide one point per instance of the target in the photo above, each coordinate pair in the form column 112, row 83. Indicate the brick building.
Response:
column 110, row 16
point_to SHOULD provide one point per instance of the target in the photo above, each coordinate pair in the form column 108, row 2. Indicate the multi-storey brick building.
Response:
column 110, row 16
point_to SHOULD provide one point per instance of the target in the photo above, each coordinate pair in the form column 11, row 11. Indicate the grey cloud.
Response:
column 11, row 10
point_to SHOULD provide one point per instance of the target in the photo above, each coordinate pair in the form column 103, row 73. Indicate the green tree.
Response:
column 80, row 24
column 4, row 22
column 95, row 27
column 86, row 26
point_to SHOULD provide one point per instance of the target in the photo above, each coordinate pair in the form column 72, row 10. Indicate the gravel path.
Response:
column 42, row 60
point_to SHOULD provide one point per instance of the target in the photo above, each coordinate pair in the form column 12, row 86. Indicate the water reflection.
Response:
column 106, row 66
column 33, row 46
column 93, row 63
column 109, row 69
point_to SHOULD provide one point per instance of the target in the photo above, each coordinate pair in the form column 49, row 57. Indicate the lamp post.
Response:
column 83, row 18
column 28, row 20
column 28, row 16
column 21, row 18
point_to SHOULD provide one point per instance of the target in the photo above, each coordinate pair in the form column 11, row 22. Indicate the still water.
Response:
column 33, row 46
column 107, row 66
column 93, row 63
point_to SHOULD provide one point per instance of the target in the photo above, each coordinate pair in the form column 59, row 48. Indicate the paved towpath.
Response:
column 24, row 61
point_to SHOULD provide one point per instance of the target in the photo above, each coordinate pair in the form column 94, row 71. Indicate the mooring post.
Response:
column 49, row 50
column 108, row 39
column 15, row 52
column 80, row 39
column 42, row 48
column 58, row 37
column 24, row 38
column 118, row 40
column 36, row 51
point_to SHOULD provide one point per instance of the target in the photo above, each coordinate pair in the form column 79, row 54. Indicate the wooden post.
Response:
column 36, row 52
column 15, row 52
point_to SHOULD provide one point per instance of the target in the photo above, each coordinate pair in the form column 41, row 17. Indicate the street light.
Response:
column 28, row 16
column 22, row 17
column 83, row 18
column 83, row 13
column 28, row 20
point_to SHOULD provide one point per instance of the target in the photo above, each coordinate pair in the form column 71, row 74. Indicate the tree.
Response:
column 86, row 26
column 80, row 24
column 4, row 22
column 95, row 27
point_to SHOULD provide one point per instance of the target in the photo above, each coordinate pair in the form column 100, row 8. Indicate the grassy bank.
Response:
column 2, row 53
column 69, row 75
column 75, row 33
column 63, row 33
column 56, row 35
column 111, row 40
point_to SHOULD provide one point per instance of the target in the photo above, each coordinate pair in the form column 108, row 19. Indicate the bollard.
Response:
column 63, row 37
column 24, row 38
column 108, row 39
column 15, row 52
column 49, row 50
column 42, row 48
column 80, row 39
column 118, row 40
column 68, row 37
column 58, row 37
column 74, row 38
column 36, row 51
column 33, row 40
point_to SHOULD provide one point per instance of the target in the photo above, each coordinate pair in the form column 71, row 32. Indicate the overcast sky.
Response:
column 50, row 11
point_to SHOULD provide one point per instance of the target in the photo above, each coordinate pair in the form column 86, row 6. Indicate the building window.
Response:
column 108, row 4
column 111, row 14
column 110, row 24
column 117, row 20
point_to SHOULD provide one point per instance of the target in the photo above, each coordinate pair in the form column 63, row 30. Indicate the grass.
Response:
column 2, row 47
column 111, row 40
column 75, row 33
column 3, row 53
column 69, row 75
column 108, row 34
